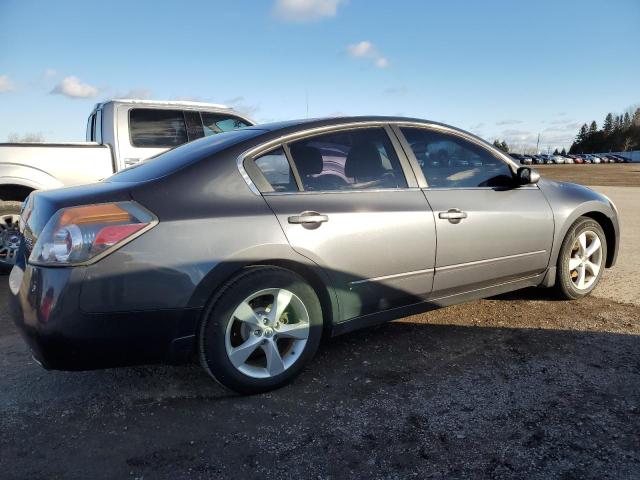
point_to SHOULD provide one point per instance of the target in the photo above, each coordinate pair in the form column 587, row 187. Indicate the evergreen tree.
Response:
column 607, row 127
column 626, row 123
column 636, row 118
column 583, row 134
column 593, row 128
column 556, row 152
column 564, row 151
column 617, row 123
column 501, row 145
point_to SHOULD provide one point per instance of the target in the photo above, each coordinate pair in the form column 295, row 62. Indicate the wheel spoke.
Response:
column 245, row 313
column 594, row 247
column 593, row 268
column 574, row 263
column 275, row 365
column 298, row 331
column 239, row 354
column 281, row 301
column 582, row 240
column 581, row 276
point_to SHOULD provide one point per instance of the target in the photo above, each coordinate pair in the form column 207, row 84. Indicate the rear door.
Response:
column 489, row 229
column 351, row 204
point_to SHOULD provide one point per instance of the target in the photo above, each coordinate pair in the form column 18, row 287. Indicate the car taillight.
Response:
column 84, row 234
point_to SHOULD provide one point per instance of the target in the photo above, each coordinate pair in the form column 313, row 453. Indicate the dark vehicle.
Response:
column 246, row 247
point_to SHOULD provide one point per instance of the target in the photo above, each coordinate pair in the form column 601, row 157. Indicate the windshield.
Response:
column 181, row 156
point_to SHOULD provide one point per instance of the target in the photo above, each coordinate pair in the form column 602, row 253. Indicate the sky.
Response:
column 504, row 69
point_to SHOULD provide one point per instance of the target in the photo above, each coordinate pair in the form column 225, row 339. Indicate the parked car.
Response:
column 526, row 160
column 280, row 248
column 119, row 134
column 558, row 159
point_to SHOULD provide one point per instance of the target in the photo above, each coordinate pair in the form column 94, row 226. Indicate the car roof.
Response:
column 309, row 123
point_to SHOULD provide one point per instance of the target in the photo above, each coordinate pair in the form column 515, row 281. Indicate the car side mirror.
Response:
column 527, row 176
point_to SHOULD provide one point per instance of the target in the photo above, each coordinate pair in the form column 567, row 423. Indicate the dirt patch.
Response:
column 609, row 174
column 518, row 386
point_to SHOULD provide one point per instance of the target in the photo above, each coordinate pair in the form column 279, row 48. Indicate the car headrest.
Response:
column 364, row 161
column 308, row 160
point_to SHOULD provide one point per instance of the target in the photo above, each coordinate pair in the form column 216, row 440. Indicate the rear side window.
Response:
column 217, row 123
column 276, row 170
column 356, row 159
column 155, row 128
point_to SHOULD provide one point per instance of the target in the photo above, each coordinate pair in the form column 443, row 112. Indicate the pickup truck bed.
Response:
column 53, row 165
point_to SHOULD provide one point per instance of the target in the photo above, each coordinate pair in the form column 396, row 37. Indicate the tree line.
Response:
column 619, row 133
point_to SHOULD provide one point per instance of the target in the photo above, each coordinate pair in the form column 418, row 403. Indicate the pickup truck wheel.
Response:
column 9, row 234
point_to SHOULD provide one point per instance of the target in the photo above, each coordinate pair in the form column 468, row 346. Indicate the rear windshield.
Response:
column 181, row 156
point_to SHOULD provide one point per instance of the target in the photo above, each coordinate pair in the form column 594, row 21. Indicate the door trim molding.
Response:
column 488, row 260
column 395, row 275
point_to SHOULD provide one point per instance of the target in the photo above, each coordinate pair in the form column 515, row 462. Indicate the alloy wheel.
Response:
column 9, row 238
column 585, row 260
column 267, row 333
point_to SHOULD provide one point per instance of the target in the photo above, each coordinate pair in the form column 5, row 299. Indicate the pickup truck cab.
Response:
column 120, row 133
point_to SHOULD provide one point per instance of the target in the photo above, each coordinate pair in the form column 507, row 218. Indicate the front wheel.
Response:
column 582, row 259
column 260, row 330
column 9, row 234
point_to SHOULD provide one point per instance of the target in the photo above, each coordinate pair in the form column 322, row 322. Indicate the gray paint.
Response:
column 377, row 251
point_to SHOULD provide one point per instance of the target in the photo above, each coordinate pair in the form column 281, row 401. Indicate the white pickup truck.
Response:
column 119, row 134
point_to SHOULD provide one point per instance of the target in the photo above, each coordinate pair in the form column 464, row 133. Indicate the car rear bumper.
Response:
column 45, row 303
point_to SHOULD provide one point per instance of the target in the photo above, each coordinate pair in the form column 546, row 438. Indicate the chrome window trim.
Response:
column 327, row 192
column 467, row 136
column 309, row 132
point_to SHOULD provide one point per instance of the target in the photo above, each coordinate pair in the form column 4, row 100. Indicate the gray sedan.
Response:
column 244, row 249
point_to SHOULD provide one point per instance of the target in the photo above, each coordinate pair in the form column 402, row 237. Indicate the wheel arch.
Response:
column 609, row 233
column 225, row 271
column 15, row 192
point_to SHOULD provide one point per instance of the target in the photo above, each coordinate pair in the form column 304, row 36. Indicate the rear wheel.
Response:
column 582, row 259
column 9, row 234
column 260, row 331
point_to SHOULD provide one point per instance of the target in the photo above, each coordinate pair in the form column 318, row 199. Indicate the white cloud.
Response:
column 395, row 91
column 50, row 72
column 508, row 122
column 306, row 10
column 366, row 49
column 6, row 85
column 72, row 87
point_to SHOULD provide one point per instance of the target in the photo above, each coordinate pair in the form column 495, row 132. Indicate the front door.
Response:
column 489, row 230
column 356, row 217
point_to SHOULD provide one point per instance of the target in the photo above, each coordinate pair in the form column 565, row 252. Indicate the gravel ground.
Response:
column 608, row 174
column 517, row 386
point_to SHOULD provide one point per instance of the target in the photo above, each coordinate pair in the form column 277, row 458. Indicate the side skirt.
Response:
column 434, row 303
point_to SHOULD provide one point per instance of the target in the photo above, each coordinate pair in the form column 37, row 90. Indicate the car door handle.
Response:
column 453, row 214
column 309, row 218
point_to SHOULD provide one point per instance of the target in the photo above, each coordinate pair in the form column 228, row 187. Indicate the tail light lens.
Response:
column 83, row 234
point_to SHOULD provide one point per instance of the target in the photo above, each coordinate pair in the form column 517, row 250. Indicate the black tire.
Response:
column 8, row 212
column 565, row 287
column 212, row 333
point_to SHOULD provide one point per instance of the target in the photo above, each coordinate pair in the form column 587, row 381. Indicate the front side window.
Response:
column 348, row 160
column 155, row 128
column 448, row 161
column 216, row 123
column 276, row 170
